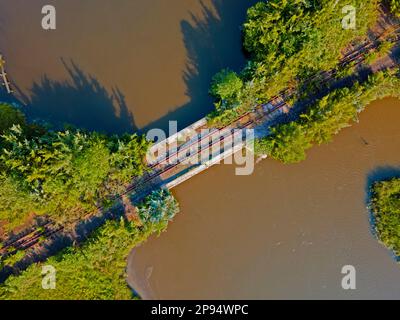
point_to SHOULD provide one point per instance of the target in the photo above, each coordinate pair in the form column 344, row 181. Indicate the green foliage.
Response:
column 345, row 71
column 289, row 144
column 13, row 259
column 309, row 30
column 16, row 203
column 64, row 174
column 289, row 41
column 226, row 85
column 10, row 116
column 385, row 206
column 328, row 116
column 277, row 29
column 96, row 270
column 127, row 154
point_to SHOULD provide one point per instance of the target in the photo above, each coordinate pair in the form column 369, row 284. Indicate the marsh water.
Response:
column 283, row 232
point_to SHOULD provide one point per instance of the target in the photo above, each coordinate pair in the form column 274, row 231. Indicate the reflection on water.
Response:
column 81, row 101
column 377, row 175
column 285, row 231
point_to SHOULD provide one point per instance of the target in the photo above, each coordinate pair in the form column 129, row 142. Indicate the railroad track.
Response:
column 357, row 56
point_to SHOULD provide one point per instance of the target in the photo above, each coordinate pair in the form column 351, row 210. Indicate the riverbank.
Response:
column 139, row 285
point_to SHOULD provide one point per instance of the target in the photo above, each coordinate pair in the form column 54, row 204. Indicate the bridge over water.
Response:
column 164, row 173
column 198, row 147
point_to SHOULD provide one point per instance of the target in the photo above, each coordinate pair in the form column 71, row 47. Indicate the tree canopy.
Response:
column 395, row 7
column 385, row 206
column 10, row 116
column 328, row 116
column 95, row 270
column 64, row 174
column 226, row 85
column 288, row 41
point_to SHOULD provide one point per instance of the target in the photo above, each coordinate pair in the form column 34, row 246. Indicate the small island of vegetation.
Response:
column 385, row 208
column 289, row 43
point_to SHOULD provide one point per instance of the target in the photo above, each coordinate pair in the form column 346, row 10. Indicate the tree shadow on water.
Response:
column 81, row 101
column 213, row 42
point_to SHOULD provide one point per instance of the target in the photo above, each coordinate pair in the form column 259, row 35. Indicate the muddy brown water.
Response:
column 283, row 232
column 120, row 66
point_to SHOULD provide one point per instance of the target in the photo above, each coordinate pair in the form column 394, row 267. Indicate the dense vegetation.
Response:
column 97, row 269
column 62, row 174
column 288, row 41
column 395, row 7
column 289, row 142
column 385, row 206
column 66, row 175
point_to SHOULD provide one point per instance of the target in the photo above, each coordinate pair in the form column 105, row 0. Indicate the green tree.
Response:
column 287, row 143
column 289, row 41
column 326, row 117
column 10, row 116
column 16, row 203
column 385, row 206
column 67, row 174
column 395, row 7
column 226, row 85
